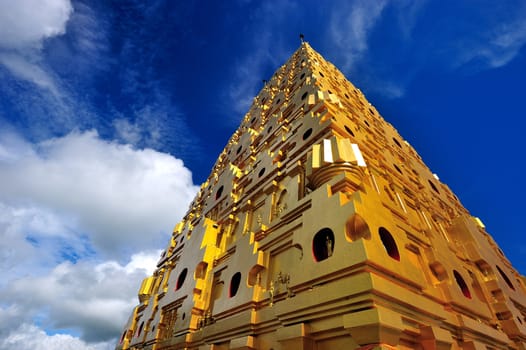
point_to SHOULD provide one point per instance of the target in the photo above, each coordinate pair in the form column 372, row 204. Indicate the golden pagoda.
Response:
column 320, row 228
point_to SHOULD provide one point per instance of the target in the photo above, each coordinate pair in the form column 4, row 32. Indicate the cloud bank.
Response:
column 81, row 222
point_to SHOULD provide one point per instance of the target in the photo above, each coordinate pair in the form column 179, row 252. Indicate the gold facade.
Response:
column 321, row 228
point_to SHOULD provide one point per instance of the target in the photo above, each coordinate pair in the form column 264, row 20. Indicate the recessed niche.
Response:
column 234, row 284
column 356, row 228
column 397, row 168
column 323, row 244
column 304, row 95
column 219, row 192
column 200, row 270
column 462, row 284
column 302, row 75
column 389, row 243
column 321, row 74
column 484, row 268
column 397, row 142
column 505, row 277
column 139, row 331
column 438, row 271
column 181, row 278
column 307, row 133
column 239, row 149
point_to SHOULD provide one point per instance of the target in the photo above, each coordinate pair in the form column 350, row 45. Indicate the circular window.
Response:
column 389, row 243
column 323, row 244
column 181, row 278
column 462, row 284
column 234, row 284
column 219, row 192
column 307, row 133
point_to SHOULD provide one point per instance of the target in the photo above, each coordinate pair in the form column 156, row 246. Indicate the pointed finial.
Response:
column 264, row 81
column 302, row 38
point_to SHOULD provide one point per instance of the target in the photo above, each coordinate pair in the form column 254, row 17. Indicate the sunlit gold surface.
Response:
column 321, row 228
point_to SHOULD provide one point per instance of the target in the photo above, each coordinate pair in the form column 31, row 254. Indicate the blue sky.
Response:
column 113, row 112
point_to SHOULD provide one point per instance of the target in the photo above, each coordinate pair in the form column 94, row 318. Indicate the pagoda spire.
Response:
column 320, row 227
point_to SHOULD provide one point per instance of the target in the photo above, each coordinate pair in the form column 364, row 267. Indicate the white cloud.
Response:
column 72, row 209
column 350, row 26
column 105, row 190
column 29, row 337
column 268, row 50
column 93, row 299
column 22, row 68
column 497, row 47
column 26, row 23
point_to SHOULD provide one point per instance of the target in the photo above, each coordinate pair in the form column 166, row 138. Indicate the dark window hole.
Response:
column 234, row 284
column 181, row 278
column 462, row 284
column 323, row 244
column 219, row 192
column 349, row 130
column 505, row 277
column 307, row 133
column 389, row 243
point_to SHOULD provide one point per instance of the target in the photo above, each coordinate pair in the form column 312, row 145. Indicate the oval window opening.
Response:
column 234, row 284
column 505, row 277
column 389, row 243
column 139, row 331
column 181, row 278
column 349, row 130
column 307, row 133
column 323, row 244
column 304, row 95
column 261, row 172
column 462, row 284
column 433, row 186
column 123, row 336
column 219, row 192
